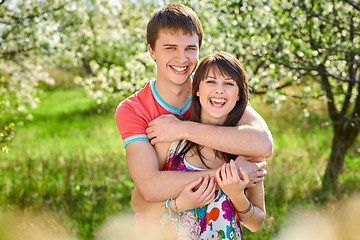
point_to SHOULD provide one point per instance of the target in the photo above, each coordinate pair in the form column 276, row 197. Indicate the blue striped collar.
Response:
column 179, row 111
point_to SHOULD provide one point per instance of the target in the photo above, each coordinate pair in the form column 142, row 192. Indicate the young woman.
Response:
column 220, row 95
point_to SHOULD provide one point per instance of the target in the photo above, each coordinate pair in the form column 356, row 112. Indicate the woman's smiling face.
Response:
column 218, row 95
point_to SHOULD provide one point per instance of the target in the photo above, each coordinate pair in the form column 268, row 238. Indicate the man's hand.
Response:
column 255, row 170
column 164, row 129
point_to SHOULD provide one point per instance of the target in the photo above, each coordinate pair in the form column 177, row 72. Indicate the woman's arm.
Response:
column 255, row 218
column 250, row 206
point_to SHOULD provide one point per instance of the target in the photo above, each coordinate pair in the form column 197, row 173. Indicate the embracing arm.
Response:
column 153, row 184
column 189, row 198
column 251, row 137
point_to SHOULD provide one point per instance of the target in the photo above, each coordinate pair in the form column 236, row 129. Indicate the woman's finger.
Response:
column 210, row 197
column 234, row 171
column 194, row 184
column 244, row 175
column 209, row 188
column 203, row 185
column 228, row 171
column 223, row 172
column 218, row 176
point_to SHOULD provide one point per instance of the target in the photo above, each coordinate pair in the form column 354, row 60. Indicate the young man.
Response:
column 174, row 36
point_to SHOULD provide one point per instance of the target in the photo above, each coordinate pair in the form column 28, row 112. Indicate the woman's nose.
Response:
column 219, row 89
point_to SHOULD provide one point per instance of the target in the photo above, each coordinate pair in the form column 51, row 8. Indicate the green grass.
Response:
column 69, row 160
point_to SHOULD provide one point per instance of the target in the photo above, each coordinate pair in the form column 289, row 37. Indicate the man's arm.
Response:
column 251, row 137
column 189, row 198
column 153, row 184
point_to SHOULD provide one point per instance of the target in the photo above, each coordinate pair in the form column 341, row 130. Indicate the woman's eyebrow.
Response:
column 209, row 76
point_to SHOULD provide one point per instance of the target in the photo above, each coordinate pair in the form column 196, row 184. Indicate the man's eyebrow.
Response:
column 174, row 45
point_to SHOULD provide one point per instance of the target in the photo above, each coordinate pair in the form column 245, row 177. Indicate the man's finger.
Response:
column 150, row 135
column 154, row 141
column 258, row 180
column 151, row 123
column 251, row 184
column 261, row 173
column 261, row 165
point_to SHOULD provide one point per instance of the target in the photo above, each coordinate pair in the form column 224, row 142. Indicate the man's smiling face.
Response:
column 176, row 55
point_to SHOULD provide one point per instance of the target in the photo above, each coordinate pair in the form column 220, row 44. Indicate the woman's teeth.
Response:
column 218, row 101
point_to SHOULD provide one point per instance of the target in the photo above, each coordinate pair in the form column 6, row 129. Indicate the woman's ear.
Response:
column 198, row 94
column 151, row 52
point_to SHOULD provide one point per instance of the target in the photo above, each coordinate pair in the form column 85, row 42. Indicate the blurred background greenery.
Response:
column 66, row 64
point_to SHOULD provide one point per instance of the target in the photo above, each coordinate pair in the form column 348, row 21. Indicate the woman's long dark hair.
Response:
column 227, row 65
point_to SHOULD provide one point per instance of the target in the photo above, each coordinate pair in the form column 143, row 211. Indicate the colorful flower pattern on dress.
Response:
column 216, row 220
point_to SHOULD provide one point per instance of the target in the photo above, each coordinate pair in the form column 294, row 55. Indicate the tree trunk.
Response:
column 344, row 137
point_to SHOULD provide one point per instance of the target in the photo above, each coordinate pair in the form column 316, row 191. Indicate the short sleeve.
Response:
column 132, row 126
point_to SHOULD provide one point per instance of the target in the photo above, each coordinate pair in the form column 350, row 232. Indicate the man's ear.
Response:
column 152, row 53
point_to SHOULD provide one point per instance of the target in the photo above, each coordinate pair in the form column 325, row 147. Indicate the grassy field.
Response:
column 69, row 160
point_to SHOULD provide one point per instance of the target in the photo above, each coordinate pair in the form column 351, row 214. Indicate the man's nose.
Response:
column 182, row 57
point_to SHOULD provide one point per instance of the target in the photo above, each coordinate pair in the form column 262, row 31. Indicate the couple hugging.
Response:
column 198, row 171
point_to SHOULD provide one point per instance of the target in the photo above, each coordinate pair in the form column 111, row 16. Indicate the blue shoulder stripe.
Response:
column 134, row 138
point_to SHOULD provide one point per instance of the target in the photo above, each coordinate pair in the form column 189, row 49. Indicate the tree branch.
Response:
column 352, row 74
column 329, row 94
column 352, row 4
column 322, row 18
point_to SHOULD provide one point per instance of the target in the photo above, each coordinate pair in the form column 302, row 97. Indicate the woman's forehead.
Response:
column 215, row 71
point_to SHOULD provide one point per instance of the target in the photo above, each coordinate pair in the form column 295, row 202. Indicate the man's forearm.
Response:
column 240, row 140
column 162, row 185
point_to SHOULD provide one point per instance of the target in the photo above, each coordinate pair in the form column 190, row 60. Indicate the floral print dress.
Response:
column 217, row 220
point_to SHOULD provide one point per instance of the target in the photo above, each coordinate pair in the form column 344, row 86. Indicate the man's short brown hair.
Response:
column 173, row 17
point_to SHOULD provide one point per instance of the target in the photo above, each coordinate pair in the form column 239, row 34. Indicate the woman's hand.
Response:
column 190, row 198
column 230, row 180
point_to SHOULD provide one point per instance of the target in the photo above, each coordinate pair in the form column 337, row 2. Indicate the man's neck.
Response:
column 174, row 95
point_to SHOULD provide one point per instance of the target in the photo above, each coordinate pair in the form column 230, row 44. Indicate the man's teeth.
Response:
column 179, row 68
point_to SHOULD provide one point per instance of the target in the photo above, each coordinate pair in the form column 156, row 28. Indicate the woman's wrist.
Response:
column 239, row 197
